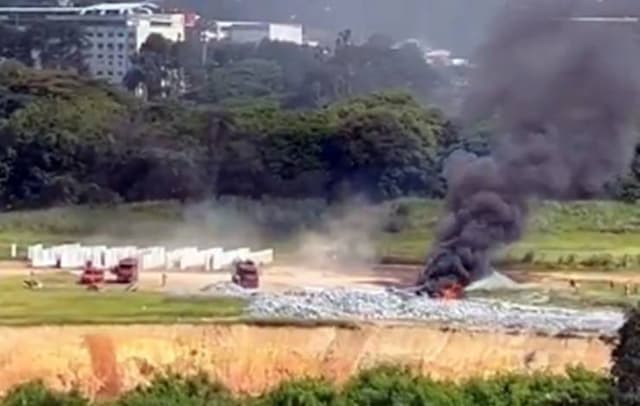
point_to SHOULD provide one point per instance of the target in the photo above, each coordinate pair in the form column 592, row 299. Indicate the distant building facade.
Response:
column 253, row 31
column 115, row 31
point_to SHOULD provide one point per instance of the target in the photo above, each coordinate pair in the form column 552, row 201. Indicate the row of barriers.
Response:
column 75, row 256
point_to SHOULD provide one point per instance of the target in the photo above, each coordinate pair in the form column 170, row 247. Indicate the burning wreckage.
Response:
column 447, row 272
column 563, row 96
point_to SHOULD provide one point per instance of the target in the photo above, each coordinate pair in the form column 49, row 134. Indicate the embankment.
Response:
column 106, row 360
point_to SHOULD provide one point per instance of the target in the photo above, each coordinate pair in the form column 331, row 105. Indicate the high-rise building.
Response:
column 253, row 31
column 115, row 31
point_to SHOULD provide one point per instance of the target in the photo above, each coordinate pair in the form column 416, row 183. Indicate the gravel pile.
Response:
column 224, row 289
column 227, row 289
column 397, row 305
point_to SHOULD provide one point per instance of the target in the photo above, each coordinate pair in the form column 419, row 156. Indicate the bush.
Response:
column 393, row 386
column 306, row 392
column 382, row 386
column 579, row 388
column 36, row 394
column 626, row 361
column 175, row 390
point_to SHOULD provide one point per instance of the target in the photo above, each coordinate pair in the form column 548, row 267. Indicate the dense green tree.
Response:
column 156, row 71
column 626, row 361
column 246, row 79
column 49, row 45
column 69, row 139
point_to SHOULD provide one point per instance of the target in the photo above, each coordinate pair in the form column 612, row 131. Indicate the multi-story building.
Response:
column 253, row 31
column 114, row 31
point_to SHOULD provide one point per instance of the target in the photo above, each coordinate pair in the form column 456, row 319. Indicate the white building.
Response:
column 253, row 31
column 115, row 31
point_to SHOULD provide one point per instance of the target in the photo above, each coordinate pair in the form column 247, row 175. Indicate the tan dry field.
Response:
column 105, row 360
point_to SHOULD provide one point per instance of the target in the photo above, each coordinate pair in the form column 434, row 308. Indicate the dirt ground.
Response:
column 274, row 278
column 287, row 277
column 107, row 360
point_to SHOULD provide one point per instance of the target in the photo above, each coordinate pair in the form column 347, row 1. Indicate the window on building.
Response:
column 109, row 45
column 99, row 73
column 89, row 34
column 120, row 47
column 110, row 72
column 132, row 47
column 110, row 63
column 119, row 73
column 99, row 45
column 110, row 56
column 121, row 34
column 99, row 34
column 110, row 35
column 99, row 56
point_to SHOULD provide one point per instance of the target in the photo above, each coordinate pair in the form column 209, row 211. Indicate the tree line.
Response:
column 254, row 120
column 70, row 139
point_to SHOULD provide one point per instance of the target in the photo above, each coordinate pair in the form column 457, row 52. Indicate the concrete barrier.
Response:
column 32, row 249
column 228, row 257
column 191, row 258
column 174, row 257
column 43, row 258
column 212, row 257
column 152, row 258
column 264, row 257
column 75, row 256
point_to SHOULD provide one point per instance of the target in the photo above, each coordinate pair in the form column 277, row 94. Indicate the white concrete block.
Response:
column 264, row 257
column 190, row 258
column 212, row 257
column 72, row 257
column 228, row 257
column 32, row 249
column 152, row 258
column 43, row 258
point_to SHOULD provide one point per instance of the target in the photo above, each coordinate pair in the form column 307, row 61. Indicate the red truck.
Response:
column 245, row 274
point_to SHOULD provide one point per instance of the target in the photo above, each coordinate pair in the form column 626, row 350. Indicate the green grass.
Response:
column 576, row 235
column 590, row 295
column 569, row 235
column 61, row 301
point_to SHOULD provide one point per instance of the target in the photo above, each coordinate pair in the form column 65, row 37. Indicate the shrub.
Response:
column 175, row 390
column 36, row 394
column 579, row 388
column 626, row 361
column 393, row 386
column 382, row 386
column 306, row 392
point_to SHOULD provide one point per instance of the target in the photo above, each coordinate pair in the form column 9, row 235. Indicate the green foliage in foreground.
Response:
column 381, row 386
column 626, row 361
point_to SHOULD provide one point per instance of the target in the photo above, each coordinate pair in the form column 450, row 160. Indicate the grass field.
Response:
column 60, row 301
column 577, row 235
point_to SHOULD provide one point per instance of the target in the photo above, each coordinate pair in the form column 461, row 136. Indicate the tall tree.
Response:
column 156, row 69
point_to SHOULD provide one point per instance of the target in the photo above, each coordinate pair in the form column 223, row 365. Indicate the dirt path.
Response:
column 275, row 278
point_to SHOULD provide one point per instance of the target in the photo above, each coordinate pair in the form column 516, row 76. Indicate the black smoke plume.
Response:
column 563, row 92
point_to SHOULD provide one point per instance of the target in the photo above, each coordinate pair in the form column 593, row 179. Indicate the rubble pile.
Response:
column 223, row 289
column 397, row 305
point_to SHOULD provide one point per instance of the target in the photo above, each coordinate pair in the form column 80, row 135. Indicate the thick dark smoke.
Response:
column 563, row 94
